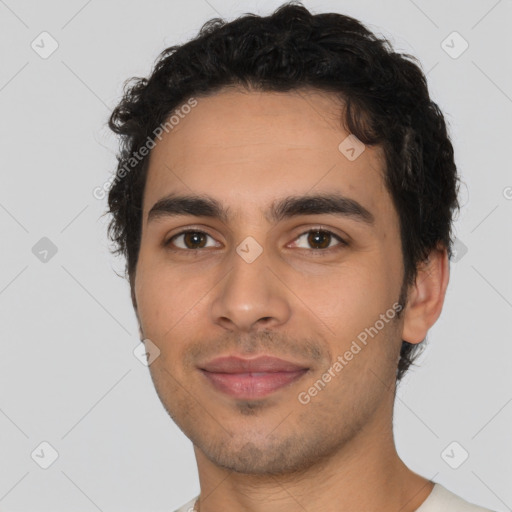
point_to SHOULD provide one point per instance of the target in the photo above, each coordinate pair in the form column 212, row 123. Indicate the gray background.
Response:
column 68, row 375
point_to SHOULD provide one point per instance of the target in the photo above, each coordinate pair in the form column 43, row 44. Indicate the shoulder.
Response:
column 443, row 500
column 188, row 507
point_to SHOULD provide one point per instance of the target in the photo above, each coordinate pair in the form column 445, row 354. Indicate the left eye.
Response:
column 320, row 238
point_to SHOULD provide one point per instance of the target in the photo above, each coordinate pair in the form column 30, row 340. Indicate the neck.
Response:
column 365, row 474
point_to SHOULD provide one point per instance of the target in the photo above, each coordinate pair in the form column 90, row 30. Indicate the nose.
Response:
column 251, row 297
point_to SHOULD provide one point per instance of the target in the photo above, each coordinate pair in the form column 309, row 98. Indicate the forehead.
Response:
column 248, row 149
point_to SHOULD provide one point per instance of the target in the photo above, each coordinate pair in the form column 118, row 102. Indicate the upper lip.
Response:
column 235, row 364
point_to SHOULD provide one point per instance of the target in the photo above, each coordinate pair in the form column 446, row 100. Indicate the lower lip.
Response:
column 252, row 385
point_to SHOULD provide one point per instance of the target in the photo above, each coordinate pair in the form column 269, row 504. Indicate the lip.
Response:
column 251, row 378
column 236, row 364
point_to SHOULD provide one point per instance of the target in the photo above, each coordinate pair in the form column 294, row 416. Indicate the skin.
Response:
column 248, row 149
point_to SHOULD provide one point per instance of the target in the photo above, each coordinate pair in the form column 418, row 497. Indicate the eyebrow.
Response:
column 288, row 207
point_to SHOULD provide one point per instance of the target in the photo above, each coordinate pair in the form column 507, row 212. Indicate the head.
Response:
column 307, row 143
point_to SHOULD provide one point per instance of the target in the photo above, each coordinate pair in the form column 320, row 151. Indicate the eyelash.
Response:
column 342, row 243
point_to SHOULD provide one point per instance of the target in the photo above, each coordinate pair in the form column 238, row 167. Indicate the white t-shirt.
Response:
column 439, row 500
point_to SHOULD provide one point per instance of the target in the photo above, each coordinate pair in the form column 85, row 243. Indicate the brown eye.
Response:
column 318, row 239
column 189, row 240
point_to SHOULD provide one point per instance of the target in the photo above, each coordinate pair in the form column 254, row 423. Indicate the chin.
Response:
column 266, row 456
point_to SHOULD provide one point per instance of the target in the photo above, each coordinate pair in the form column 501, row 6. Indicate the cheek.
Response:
column 155, row 296
column 168, row 302
column 357, row 307
column 351, row 296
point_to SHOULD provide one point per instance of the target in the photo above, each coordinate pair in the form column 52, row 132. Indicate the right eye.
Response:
column 189, row 240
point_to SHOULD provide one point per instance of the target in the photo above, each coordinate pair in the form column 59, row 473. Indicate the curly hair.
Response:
column 386, row 102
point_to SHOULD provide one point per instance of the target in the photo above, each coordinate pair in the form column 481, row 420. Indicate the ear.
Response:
column 426, row 296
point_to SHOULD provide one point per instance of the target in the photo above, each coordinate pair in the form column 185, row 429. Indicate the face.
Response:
column 313, row 283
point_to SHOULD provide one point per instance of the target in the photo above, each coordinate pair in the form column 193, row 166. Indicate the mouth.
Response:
column 251, row 378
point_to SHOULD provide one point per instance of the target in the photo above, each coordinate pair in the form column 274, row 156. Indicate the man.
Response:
column 284, row 199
